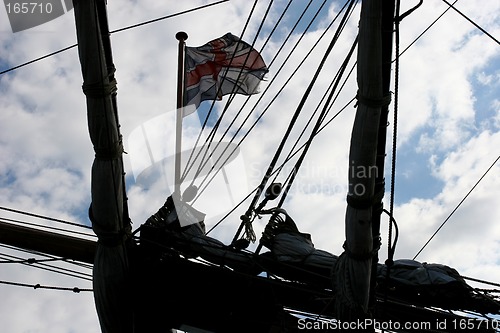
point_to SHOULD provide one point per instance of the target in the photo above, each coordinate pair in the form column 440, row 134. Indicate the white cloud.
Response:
column 47, row 154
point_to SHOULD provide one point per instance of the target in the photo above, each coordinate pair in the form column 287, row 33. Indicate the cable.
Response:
column 325, row 110
column 292, row 30
column 283, row 86
column 481, row 281
column 28, row 261
column 44, row 217
column 50, row 268
column 426, row 29
column 38, row 59
column 166, row 17
column 283, row 164
column 67, row 261
column 455, row 209
column 390, row 248
column 114, row 31
column 3, row 219
column 212, row 133
column 210, row 138
column 473, row 23
column 38, row 286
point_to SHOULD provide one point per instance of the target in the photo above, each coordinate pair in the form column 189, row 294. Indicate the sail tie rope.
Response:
column 373, row 102
column 111, row 238
column 109, row 153
column 361, row 256
column 100, row 89
column 358, row 203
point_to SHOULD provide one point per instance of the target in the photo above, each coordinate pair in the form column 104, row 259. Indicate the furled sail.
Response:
column 353, row 269
column 108, row 209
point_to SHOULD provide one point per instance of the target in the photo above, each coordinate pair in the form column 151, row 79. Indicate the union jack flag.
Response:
column 223, row 66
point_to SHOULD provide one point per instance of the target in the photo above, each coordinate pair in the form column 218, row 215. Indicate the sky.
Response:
column 448, row 135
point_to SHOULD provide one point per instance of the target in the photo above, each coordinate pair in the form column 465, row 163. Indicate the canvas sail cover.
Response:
column 353, row 269
column 293, row 257
column 107, row 186
column 190, row 238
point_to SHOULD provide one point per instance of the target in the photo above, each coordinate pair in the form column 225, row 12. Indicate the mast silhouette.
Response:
column 206, row 296
column 355, row 271
column 108, row 211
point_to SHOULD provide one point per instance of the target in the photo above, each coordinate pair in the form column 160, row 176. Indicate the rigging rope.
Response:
column 211, row 136
column 114, row 31
column 425, row 30
column 278, row 169
column 324, row 95
column 325, row 110
column 455, row 209
column 283, row 86
column 481, row 281
column 292, row 153
column 212, row 133
column 39, row 286
column 28, row 261
column 4, row 219
column 50, row 268
column 45, row 217
column 390, row 248
column 247, row 216
column 473, row 23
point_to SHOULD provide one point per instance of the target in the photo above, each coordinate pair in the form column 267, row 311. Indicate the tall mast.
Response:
column 353, row 271
column 108, row 211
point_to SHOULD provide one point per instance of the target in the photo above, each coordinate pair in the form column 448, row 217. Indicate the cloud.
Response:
column 449, row 123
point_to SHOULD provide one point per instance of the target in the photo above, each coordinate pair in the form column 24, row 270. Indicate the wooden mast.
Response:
column 108, row 211
column 353, row 270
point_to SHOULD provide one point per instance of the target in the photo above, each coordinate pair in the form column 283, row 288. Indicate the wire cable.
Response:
column 283, row 164
column 4, row 219
column 472, row 22
column 282, row 88
column 39, row 286
column 47, row 267
column 210, row 138
column 455, row 209
column 481, row 281
column 325, row 110
column 167, row 17
column 112, row 32
column 67, row 261
column 45, row 217
column 212, row 133
column 426, row 29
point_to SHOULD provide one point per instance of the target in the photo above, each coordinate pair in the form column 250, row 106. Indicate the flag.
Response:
column 222, row 66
